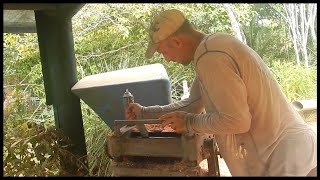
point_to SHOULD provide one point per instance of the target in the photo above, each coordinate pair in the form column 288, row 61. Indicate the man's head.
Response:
column 170, row 35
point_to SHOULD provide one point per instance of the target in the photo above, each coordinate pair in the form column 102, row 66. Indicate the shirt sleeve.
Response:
column 192, row 104
column 228, row 111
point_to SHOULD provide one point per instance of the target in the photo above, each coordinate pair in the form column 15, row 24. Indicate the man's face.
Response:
column 173, row 50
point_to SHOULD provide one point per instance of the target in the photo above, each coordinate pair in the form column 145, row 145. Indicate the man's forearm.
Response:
column 216, row 123
column 187, row 105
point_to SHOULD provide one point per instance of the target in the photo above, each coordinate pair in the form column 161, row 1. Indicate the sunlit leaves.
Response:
column 297, row 82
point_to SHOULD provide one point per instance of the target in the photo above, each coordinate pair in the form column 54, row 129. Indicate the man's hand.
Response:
column 176, row 119
column 133, row 110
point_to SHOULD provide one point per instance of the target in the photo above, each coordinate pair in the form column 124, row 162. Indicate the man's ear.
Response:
column 176, row 42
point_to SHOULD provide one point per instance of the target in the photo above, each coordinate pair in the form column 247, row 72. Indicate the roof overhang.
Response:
column 19, row 17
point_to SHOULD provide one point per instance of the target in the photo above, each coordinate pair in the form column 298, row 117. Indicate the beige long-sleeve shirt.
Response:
column 257, row 130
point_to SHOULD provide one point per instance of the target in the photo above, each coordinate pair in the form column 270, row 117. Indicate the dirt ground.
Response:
column 224, row 171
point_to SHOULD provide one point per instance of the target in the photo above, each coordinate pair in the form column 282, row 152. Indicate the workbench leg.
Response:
column 212, row 158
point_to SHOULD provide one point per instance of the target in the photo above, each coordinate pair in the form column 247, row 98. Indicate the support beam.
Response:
column 21, row 21
column 59, row 71
column 29, row 6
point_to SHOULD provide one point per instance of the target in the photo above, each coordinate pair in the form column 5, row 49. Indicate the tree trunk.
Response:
column 304, row 27
column 301, row 18
column 236, row 26
column 291, row 19
column 313, row 13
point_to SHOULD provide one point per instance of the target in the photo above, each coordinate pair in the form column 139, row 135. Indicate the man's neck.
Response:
column 196, row 38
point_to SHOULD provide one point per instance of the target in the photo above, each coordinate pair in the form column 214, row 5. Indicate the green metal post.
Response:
column 59, row 71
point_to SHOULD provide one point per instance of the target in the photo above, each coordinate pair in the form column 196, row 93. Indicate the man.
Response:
column 257, row 130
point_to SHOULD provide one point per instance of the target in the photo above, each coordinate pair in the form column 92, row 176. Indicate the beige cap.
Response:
column 162, row 26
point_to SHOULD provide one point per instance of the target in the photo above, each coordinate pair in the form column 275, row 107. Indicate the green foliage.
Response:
column 297, row 82
column 245, row 12
column 96, row 132
column 209, row 18
column 20, row 105
column 19, row 51
column 267, row 34
column 28, row 145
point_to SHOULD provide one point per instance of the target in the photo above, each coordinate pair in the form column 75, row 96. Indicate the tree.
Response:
column 236, row 26
column 301, row 18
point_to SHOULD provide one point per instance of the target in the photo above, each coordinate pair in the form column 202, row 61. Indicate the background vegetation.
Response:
column 109, row 37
